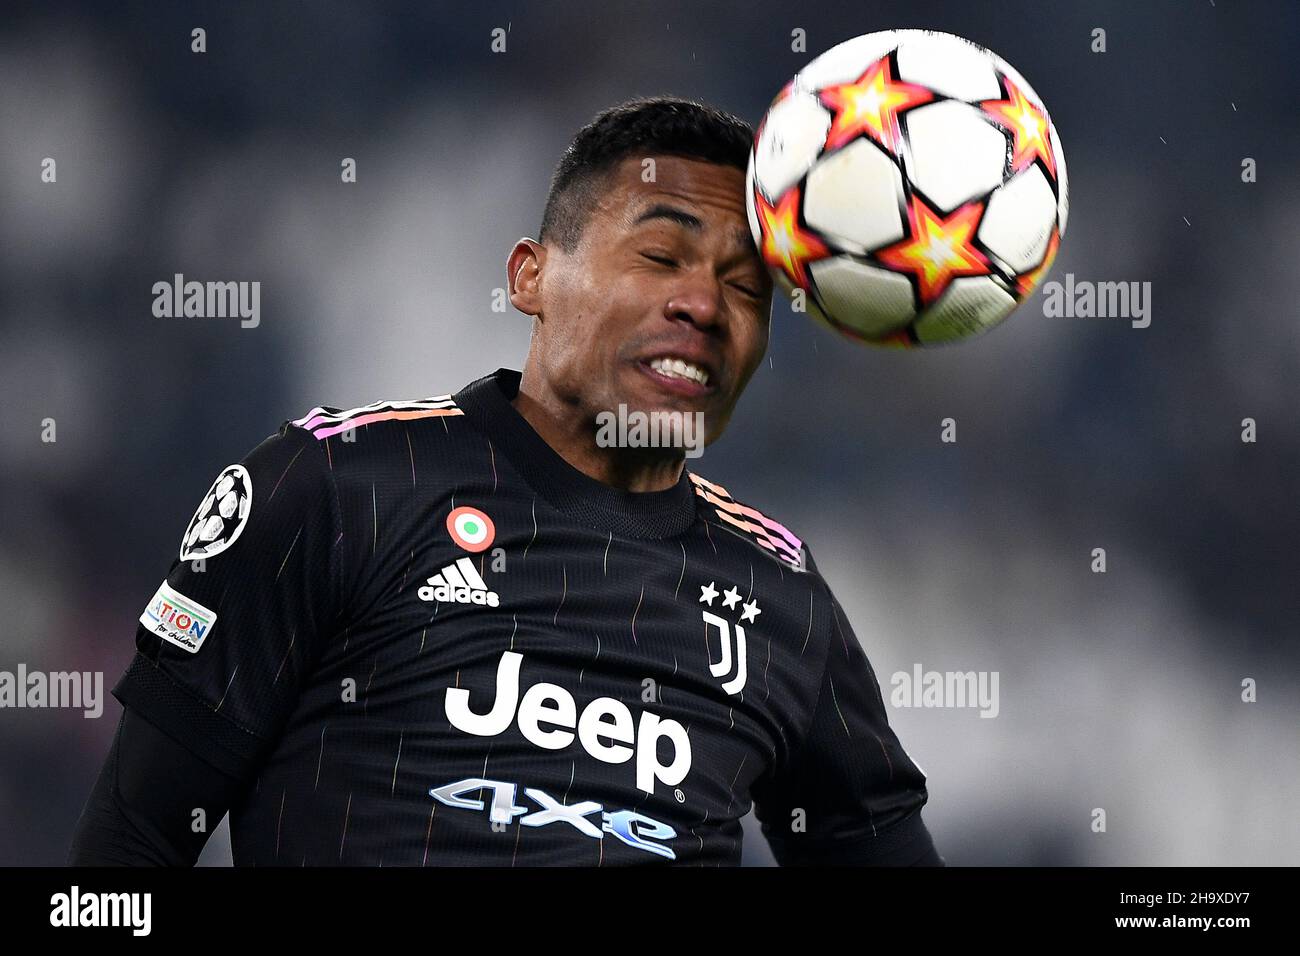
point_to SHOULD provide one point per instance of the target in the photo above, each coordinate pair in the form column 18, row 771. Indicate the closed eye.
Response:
column 672, row 264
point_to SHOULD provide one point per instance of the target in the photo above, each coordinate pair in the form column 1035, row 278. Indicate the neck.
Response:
column 574, row 440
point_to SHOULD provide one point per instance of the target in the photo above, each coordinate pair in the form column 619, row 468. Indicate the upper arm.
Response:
column 224, row 645
column 154, row 803
column 851, row 793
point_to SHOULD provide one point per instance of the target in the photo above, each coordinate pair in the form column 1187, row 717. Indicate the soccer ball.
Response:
column 907, row 188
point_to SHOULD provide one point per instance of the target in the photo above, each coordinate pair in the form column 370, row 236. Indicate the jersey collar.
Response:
column 486, row 402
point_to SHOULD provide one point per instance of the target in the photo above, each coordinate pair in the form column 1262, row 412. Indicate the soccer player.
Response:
column 475, row 629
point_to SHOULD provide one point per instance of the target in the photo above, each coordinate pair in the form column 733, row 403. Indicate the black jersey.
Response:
column 425, row 639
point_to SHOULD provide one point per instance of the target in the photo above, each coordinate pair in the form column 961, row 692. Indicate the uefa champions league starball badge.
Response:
column 221, row 516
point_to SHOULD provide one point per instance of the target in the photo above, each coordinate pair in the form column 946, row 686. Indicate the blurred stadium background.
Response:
column 1119, row 690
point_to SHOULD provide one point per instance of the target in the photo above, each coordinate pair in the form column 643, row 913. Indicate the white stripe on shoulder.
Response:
column 323, row 415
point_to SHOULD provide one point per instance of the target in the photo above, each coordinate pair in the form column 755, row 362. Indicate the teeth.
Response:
column 679, row 369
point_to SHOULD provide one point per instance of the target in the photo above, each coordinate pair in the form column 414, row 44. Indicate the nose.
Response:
column 696, row 300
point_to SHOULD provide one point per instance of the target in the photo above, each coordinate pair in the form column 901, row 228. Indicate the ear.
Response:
column 524, row 274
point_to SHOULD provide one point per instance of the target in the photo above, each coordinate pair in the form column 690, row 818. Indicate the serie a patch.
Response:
column 177, row 619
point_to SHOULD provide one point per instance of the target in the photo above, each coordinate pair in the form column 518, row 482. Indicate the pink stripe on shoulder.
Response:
column 770, row 534
column 325, row 431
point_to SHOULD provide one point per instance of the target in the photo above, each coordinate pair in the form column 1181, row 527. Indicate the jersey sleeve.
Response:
column 225, row 642
column 131, row 821
column 849, row 794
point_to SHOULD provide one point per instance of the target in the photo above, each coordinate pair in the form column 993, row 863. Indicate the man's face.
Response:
column 665, row 270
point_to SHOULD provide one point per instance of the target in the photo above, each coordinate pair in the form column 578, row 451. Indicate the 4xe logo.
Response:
column 604, row 719
column 634, row 829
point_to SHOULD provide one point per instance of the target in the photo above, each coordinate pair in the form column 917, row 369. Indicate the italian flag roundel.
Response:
column 471, row 529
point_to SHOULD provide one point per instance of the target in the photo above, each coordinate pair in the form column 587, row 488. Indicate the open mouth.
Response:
column 679, row 375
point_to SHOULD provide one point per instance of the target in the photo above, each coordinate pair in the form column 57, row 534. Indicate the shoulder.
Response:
column 386, row 441
column 325, row 421
column 761, row 531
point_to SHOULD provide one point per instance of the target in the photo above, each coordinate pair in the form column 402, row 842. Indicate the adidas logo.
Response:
column 459, row 583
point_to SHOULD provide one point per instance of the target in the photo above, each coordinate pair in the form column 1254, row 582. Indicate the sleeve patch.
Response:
column 221, row 515
column 177, row 619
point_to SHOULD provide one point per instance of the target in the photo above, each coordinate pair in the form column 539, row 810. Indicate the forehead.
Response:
column 709, row 193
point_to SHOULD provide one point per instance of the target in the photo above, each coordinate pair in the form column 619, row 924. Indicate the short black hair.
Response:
column 659, row 125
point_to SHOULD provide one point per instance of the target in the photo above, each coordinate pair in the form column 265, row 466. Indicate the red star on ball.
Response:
column 1029, row 126
column 871, row 104
column 785, row 244
column 938, row 248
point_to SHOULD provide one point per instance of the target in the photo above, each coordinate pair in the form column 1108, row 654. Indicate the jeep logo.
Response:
column 547, row 716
